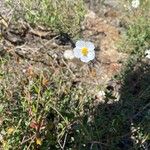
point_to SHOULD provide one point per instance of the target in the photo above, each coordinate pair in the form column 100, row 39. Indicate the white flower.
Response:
column 68, row 54
column 147, row 53
column 135, row 3
column 84, row 51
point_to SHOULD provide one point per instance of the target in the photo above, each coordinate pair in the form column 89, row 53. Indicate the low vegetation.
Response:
column 60, row 16
column 49, row 108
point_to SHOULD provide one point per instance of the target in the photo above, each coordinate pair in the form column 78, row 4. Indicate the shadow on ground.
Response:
column 122, row 125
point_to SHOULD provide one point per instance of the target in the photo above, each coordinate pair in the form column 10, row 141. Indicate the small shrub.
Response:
column 45, row 107
column 137, row 36
column 62, row 16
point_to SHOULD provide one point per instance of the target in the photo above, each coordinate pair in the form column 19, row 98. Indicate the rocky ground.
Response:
column 38, row 47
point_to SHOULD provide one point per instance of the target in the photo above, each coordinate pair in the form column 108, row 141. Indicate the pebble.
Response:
column 68, row 54
column 100, row 95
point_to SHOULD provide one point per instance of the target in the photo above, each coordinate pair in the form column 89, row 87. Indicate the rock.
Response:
column 111, row 3
column 68, row 54
column 101, row 96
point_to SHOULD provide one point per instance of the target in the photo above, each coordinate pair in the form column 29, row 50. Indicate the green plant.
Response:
column 41, row 111
column 61, row 16
column 136, row 38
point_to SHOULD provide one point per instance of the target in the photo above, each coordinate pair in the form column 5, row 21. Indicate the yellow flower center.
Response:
column 84, row 51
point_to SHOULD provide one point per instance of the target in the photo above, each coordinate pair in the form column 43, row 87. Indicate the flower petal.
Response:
column 84, row 59
column 77, row 52
column 90, row 46
column 80, row 43
column 135, row 3
column 91, row 55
